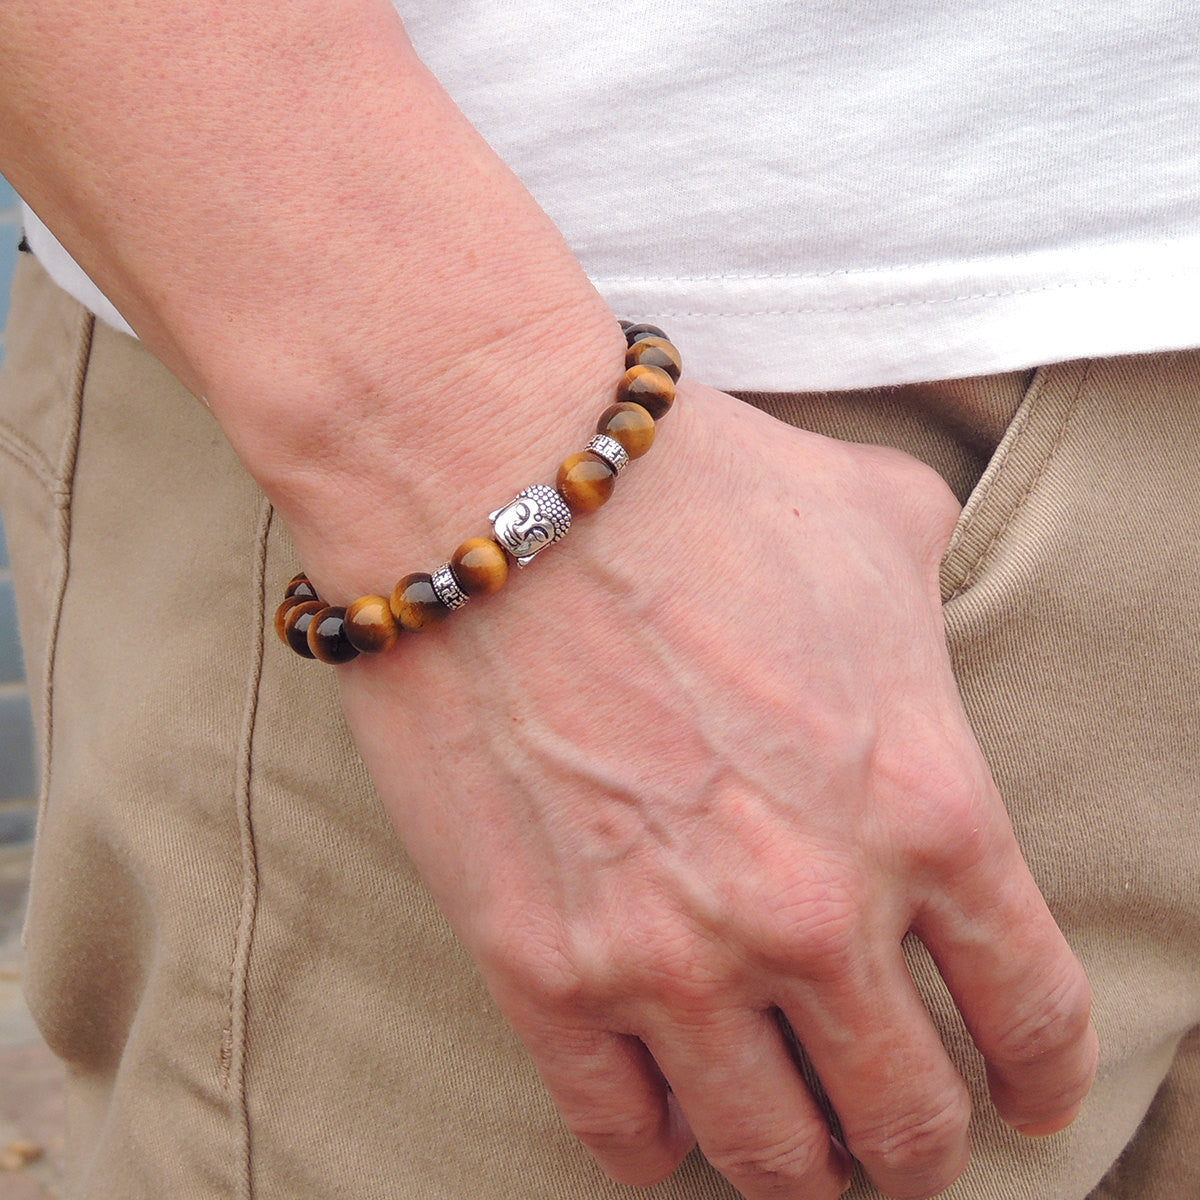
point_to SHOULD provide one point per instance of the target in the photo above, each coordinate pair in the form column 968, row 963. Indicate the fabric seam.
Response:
column 26, row 455
column 981, row 559
column 62, row 490
column 239, row 966
column 959, row 262
column 1073, row 285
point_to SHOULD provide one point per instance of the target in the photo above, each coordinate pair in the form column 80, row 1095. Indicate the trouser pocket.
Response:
column 47, row 347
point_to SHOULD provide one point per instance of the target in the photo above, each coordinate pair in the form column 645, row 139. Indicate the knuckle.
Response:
column 924, row 1148
column 680, row 976
column 617, row 1135
column 815, row 928
column 764, row 1169
column 947, row 797
column 1057, row 1023
column 580, row 968
column 538, row 973
column 553, row 991
column 632, row 1147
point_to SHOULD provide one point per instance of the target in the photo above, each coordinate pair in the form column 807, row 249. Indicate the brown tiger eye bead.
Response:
column 327, row 636
column 640, row 330
column 414, row 603
column 651, row 387
column 296, row 623
column 655, row 352
column 370, row 626
column 630, row 424
column 585, row 481
column 480, row 566
column 281, row 613
column 299, row 586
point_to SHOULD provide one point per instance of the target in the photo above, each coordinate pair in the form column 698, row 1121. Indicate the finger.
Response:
column 613, row 1097
column 752, row 1114
column 903, row 1107
column 1022, row 993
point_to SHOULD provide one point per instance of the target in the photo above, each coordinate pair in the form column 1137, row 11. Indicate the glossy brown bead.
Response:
column 639, row 330
column 630, row 424
column 300, row 586
column 585, row 481
column 281, row 613
column 327, row 636
column 296, row 622
column 651, row 387
column 414, row 603
column 655, row 352
column 370, row 626
column 480, row 566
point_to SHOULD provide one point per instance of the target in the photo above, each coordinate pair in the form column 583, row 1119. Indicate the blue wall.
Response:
column 16, row 730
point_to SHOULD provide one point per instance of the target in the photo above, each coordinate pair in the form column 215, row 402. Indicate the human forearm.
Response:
column 295, row 217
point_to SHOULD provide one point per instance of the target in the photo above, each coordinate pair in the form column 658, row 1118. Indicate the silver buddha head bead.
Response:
column 537, row 518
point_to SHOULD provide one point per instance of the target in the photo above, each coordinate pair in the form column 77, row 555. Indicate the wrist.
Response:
column 316, row 624
column 385, row 483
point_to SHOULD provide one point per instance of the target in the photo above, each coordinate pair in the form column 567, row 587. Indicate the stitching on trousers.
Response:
column 234, row 1049
column 982, row 558
column 25, row 455
column 64, row 486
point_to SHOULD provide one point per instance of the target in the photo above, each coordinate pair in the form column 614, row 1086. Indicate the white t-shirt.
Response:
column 841, row 193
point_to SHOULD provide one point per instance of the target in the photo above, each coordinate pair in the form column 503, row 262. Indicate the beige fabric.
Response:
column 254, row 993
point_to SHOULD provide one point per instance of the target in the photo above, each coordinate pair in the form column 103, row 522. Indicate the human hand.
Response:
column 706, row 766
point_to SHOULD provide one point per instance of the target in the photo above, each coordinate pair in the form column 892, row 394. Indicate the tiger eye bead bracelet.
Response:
column 538, row 517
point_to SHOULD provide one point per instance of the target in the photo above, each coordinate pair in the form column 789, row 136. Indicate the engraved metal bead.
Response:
column 609, row 449
column 536, row 518
column 448, row 590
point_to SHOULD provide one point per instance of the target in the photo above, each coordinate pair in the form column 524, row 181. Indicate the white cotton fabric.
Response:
column 66, row 272
column 834, row 194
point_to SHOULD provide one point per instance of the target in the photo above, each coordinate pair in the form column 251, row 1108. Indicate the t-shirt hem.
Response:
column 942, row 321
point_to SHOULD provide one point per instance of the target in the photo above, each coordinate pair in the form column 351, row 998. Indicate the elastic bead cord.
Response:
column 538, row 517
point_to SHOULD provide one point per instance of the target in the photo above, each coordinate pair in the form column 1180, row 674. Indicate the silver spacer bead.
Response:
column 609, row 449
column 448, row 589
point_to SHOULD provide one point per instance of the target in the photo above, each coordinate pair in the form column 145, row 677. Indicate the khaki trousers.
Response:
column 251, row 987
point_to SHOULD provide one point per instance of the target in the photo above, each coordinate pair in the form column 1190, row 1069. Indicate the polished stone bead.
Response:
column 414, row 603
column 651, row 387
column 281, row 613
column 370, row 626
column 630, row 424
column 296, row 623
column 655, row 352
column 299, row 586
column 480, row 566
column 585, row 481
column 327, row 636
column 636, row 332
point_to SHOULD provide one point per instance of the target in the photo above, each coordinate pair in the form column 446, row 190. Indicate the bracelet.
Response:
column 536, row 518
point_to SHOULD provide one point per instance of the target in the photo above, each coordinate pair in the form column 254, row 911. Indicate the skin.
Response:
column 707, row 761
